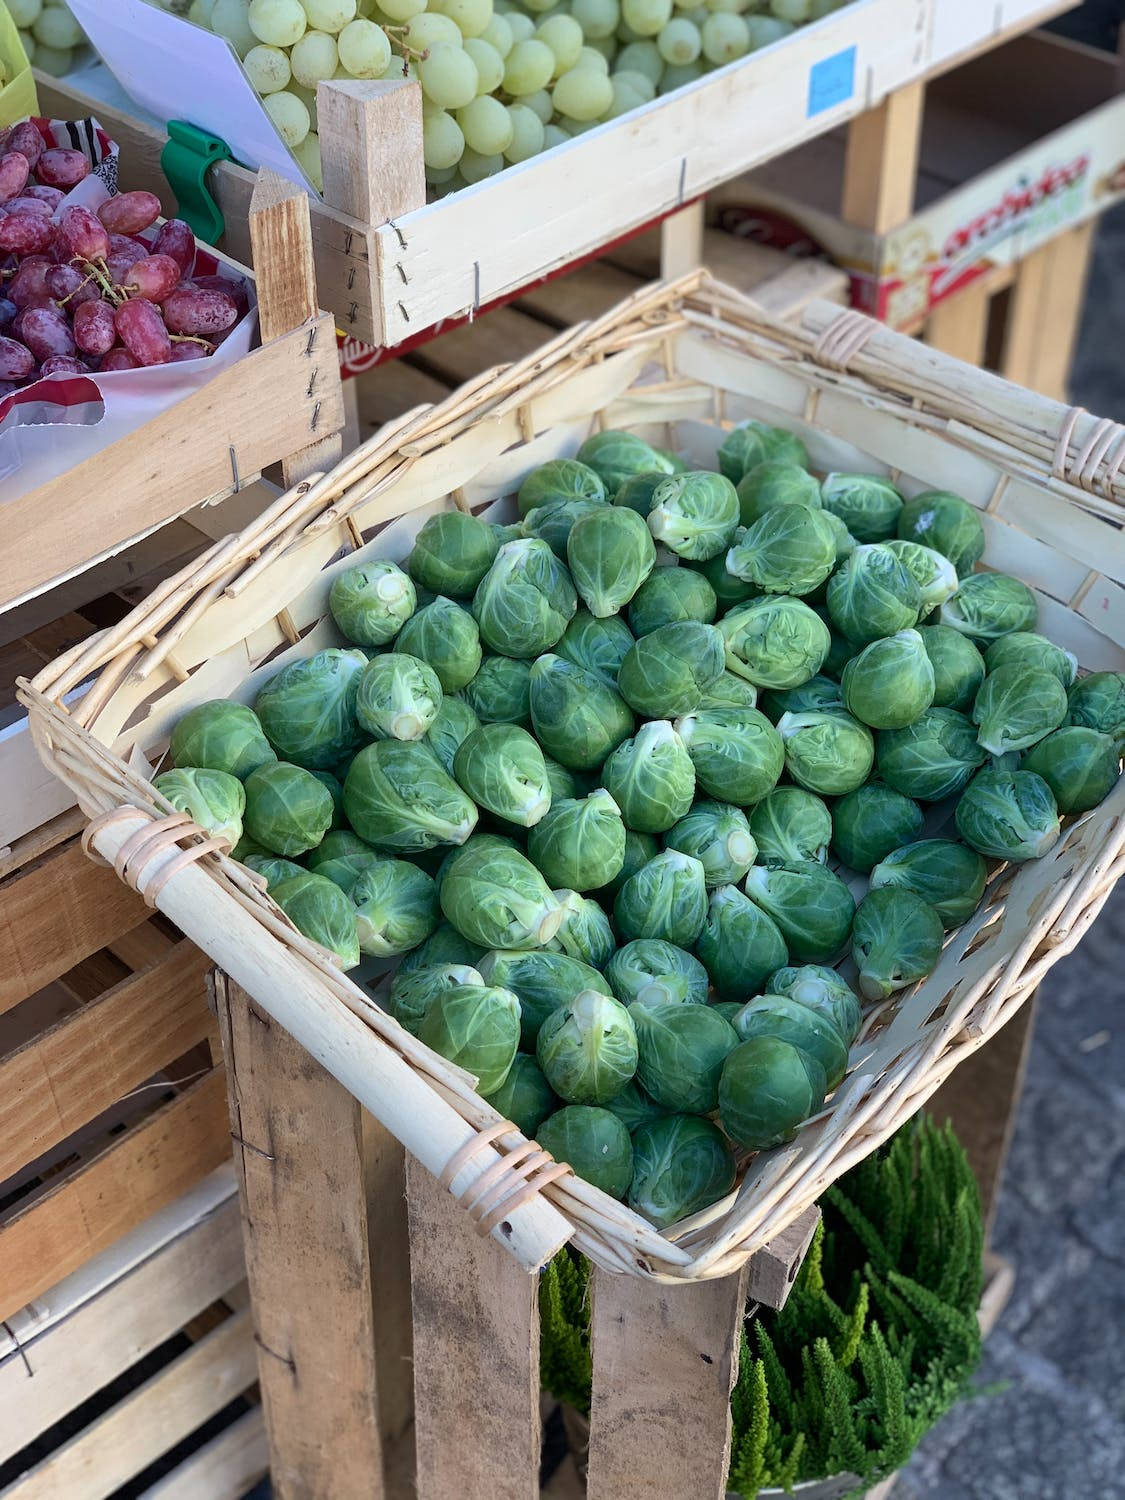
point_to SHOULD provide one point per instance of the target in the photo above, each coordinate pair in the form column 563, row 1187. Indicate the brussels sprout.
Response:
column 371, row 603
column 247, row 846
column 446, row 946
column 948, row 524
column 542, row 981
column 809, row 1030
column 931, row 758
column 767, row 1089
column 501, row 768
column 666, row 671
column 1009, row 815
column 729, row 590
column 934, row 574
column 597, row 646
column 342, row 858
column 669, row 596
column 811, row 905
column 477, row 1028
column 737, row 753
column 439, row 860
column 667, row 898
column 446, row 638
column 214, row 800
column 728, row 691
column 287, row 809
column 579, row 844
column 717, row 835
column 452, row 553
column 610, row 553
column 1079, row 765
column 868, row 505
column 1016, row 707
column 588, row 1048
column 828, row 753
column 754, row 443
column 651, row 778
column 398, row 797
column 500, row 693
column 584, row 931
column 989, row 605
column 821, row 989
column 617, row 456
column 840, row 652
column 321, row 912
column 398, row 698
column 681, row 1165
column 594, row 1142
column 637, row 491
column 948, row 876
column 559, row 479
column 775, row 642
column 640, row 848
column 453, row 724
column 524, row 601
column 272, row 868
column 396, row 907
column 563, row 781
column 890, row 683
column 1098, row 702
column 873, row 594
column 511, row 532
column 652, row 972
column 694, row 515
column 1026, row 649
column 845, row 542
column 414, row 991
column 308, row 709
column 680, row 1054
column 958, row 666
column 553, row 523
column 525, row 1097
column 773, row 484
column 789, row 550
column 577, row 717
column 336, row 792
column 220, row 736
column 497, row 898
column 739, row 944
column 819, row 695
column 728, row 1009
column 896, row 940
column 634, row 1108
column 790, row 825
column 871, row 822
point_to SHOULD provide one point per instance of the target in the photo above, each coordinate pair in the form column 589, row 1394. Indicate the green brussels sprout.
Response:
column 497, row 898
column 321, row 912
column 754, row 443
column 439, row 860
column 563, row 781
column 666, row 671
column 412, row 992
column 501, row 768
column 694, row 515
column 500, row 693
column 767, row 1089
column 640, row 848
column 827, row 753
column 1098, row 702
column 845, row 542
column 946, row 523
column 372, row 602
column 812, row 907
column 637, row 491
column 959, row 667
column 989, row 605
column 739, row 944
column 789, row 825
column 559, row 479
column 652, row 972
column 934, row 574
column 948, row 876
column 588, row 1048
column 896, row 940
column 446, row 638
column 287, row 810
column 772, row 484
column 890, row 683
column 445, row 946
column 1026, row 649
column 398, row 797
column 1016, row 707
column 871, row 822
column 214, row 800
column 453, row 723
column 553, row 523
column 525, row 1097
column 247, row 846
column 681, row 1165
column 873, row 594
column 336, row 792
column 728, row 691
column 810, row 1031
column 651, row 778
column 840, row 652
column 396, row 907
column 821, row 989
column 775, row 642
column 610, row 553
column 597, row 646
column 729, row 590
column 617, row 456
column 728, row 1009
column 819, row 695
column 868, row 505
column 579, row 844
column 634, row 1108
column 594, row 1142
column 584, row 931
column 342, row 857
column 220, row 736
column 511, row 531
column 931, row 758
column 788, row 550
column 719, row 836
column 737, row 753
column 477, row 1028
column 398, row 698
column 670, row 596
column 667, row 898
column 524, row 601
column 452, row 553
column 577, row 717
column 308, row 709
column 1008, row 815
column 542, row 981
column 272, row 868
column 1080, row 766
column 680, row 1054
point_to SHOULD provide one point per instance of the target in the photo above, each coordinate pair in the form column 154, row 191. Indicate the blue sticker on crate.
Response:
column 831, row 81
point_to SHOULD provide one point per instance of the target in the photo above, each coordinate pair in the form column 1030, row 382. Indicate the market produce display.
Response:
column 604, row 849
column 50, row 35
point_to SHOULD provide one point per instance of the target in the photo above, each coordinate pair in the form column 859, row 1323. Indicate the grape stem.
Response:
column 190, row 338
column 99, row 272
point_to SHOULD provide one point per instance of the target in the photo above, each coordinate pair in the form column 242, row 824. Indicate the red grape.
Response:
column 16, row 361
column 237, row 288
column 81, row 234
column 62, row 364
column 14, row 171
column 27, row 140
column 46, row 331
column 30, row 280
column 8, row 310
column 129, row 213
column 7, row 387
column 186, row 350
column 153, row 276
column 141, row 329
column 26, row 234
column 71, row 288
column 193, row 310
column 95, row 331
column 26, row 205
column 176, row 239
column 49, row 195
column 120, row 359
column 62, row 168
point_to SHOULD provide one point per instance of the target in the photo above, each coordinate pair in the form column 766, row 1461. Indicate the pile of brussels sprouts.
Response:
column 585, row 772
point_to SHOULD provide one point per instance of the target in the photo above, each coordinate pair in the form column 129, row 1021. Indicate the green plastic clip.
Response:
column 186, row 159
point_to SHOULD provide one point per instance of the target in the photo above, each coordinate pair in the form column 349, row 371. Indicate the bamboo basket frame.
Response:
column 675, row 360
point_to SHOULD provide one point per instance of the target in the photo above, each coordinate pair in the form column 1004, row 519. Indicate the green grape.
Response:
column 442, row 140
column 626, row 34
column 267, row 68
column 727, row 7
column 314, row 58
column 470, row 16
column 725, row 37
column 498, row 34
column 289, row 115
column 604, row 46
column 489, row 64
column 564, row 37
column 554, row 135
column 308, row 99
column 24, row 12
column 231, row 19
column 583, row 94
column 640, row 83
column 528, row 67
column 475, row 168
column 402, row 10
column 56, row 28
column 625, row 96
column 279, row 23
column 329, row 15
column 597, row 18
column 486, row 126
column 199, row 11
column 680, row 42
column 676, row 76
column 792, row 10
column 765, row 30
column 426, row 30
column 308, row 154
column 541, row 6
column 527, row 133
column 522, row 28
column 364, row 48
column 589, row 57
column 641, row 57
column 439, row 176
column 448, row 75
column 540, row 104
column 398, row 68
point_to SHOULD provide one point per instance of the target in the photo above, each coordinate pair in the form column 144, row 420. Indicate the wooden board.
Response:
column 223, row 1469
column 500, row 337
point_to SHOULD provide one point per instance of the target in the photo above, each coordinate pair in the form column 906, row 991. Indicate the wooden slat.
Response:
column 384, row 1163
column 393, row 388
column 959, row 325
column 881, row 164
column 772, row 1270
column 371, row 147
column 587, row 292
column 681, row 241
column 223, row 1469
column 1060, row 312
column 499, row 338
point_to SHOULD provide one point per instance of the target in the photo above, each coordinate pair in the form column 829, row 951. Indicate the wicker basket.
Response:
column 674, row 362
